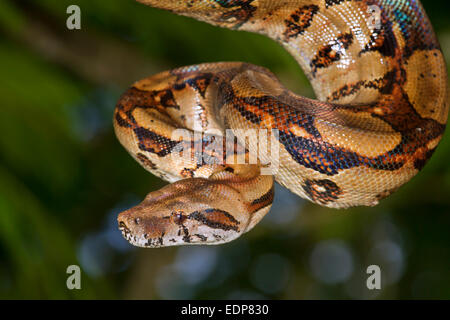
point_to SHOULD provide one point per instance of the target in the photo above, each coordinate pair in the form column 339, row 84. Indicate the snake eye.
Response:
column 178, row 216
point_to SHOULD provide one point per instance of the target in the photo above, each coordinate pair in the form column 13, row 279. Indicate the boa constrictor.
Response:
column 381, row 85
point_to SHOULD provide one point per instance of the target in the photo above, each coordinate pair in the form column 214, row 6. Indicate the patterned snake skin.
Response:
column 382, row 104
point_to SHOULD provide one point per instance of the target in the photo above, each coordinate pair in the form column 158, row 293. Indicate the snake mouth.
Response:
column 128, row 235
column 126, row 232
column 137, row 240
column 123, row 227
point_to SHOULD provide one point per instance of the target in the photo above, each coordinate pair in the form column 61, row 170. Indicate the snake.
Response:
column 223, row 133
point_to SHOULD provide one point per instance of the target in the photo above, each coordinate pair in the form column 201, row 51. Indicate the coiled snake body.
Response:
column 381, row 85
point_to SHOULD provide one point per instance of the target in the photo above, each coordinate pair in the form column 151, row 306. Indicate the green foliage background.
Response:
column 64, row 176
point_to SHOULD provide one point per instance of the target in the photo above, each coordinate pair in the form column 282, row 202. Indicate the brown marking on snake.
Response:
column 382, row 40
column 322, row 191
column 122, row 119
column 384, row 85
column 242, row 11
column 135, row 98
column 187, row 173
column 216, row 219
column 299, row 21
column 329, row 53
column 155, row 143
column 263, row 201
column 329, row 3
column 159, row 99
column 200, row 83
column 146, row 161
column 353, row 88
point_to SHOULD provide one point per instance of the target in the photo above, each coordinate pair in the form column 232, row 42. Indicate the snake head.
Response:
column 229, row 14
column 190, row 211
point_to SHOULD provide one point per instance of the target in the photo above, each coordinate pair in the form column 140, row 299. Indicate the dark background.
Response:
column 64, row 176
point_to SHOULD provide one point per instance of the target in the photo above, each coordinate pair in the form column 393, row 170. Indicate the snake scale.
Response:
column 382, row 104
